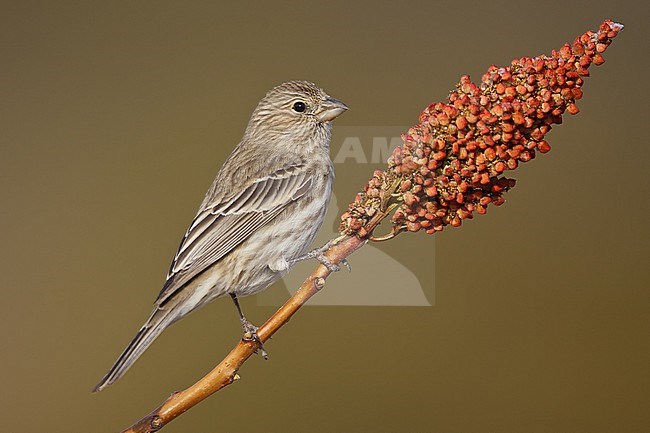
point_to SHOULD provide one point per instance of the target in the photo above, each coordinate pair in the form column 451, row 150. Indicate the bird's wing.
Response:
column 219, row 228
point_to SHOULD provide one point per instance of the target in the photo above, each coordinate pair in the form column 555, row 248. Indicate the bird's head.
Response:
column 298, row 110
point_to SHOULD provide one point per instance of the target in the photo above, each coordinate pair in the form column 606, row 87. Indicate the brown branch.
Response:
column 226, row 372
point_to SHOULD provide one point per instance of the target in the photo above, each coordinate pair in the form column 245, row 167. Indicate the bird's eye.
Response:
column 299, row 107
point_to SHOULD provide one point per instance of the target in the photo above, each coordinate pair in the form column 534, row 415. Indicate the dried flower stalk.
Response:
column 452, row 163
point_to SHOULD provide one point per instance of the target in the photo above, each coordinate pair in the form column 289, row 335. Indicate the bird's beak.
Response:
column 330, row 109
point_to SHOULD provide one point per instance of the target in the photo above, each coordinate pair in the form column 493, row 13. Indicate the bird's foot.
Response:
column 319, row 254
column 332, row 267
column 250, row 334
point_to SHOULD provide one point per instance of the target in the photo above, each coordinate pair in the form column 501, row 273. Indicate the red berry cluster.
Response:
column 451, row 163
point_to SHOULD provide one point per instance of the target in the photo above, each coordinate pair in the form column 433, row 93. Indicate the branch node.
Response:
column 319, row 283
column 236, row 377
column 157, row 423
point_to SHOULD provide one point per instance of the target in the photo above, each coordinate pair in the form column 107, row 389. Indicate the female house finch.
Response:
column 259, row 216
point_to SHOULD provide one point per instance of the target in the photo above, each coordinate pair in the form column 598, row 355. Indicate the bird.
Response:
column 258, row 218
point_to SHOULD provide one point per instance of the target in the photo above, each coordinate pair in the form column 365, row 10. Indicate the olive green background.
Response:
column 115, row 116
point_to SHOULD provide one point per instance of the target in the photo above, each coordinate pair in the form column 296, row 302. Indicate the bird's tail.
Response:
column 156, row 324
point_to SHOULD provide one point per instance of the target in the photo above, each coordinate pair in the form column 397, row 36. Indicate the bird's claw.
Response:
column 250, row 334
column 319, row 254
column 332, row 267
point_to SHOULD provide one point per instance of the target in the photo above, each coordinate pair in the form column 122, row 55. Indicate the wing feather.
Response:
column 219, row 228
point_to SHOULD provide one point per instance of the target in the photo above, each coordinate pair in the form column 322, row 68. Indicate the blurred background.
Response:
column 115, row 117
